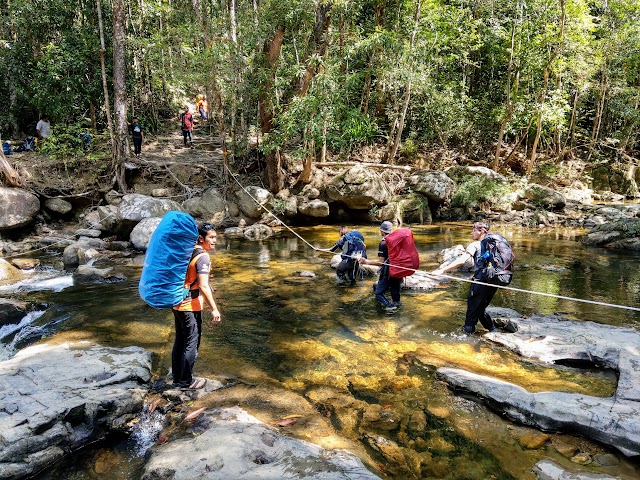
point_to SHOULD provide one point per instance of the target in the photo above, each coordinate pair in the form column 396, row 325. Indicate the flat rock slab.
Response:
column 613, row 421
column 233, row 444
column 549, row 470
column 55, row 399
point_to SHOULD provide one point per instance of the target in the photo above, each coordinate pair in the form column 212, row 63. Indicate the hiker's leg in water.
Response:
column 394, row 287
column 343, row 269
column 382, row 286
column 484, row 318
column 477, row 301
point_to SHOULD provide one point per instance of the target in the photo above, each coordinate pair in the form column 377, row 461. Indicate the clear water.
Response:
column 302, row 334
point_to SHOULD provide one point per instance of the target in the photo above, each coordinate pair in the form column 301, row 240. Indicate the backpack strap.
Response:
column 197, row 253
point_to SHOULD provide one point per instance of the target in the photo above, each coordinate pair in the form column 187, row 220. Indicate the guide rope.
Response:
column 450, row 277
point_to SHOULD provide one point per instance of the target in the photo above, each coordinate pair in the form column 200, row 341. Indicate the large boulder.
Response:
column 8, row 272
column 58, row 205
column 545, row 197
column 359, row 188
column 134, row 207
column 211, row 206
column 141, row 233
column 314, row 208
column 57, row 399
column 87, row 275
column 623, row 233
column 257, row 231
column 250, row 207
column 233, row 444
column 614, row 421
column 285, row 204
column 435, row 185
column 82, row 251
column 17, row 207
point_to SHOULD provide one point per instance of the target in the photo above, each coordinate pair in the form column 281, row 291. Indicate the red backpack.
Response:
column 402, row 253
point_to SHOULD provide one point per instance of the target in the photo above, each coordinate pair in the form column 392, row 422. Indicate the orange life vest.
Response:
column 193, row 301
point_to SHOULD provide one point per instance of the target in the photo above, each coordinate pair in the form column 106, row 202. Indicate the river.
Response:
column 308, row 333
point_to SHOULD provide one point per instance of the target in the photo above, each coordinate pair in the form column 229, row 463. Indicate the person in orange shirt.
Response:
column 188, row 313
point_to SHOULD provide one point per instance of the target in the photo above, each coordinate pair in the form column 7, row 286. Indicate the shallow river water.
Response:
column 308, row 333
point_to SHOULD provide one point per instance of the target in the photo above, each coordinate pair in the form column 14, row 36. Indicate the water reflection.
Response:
column 312, row 336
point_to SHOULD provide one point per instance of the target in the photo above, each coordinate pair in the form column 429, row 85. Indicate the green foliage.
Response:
column 65, row 142
column 456, row 60
column 278, row 205
column 477, row 189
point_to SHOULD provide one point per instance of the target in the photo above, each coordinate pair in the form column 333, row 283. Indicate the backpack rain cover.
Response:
column 402, row 253
column 356, row 244
column 166, row 261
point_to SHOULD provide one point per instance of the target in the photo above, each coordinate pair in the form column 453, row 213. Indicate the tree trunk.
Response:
column 105, row 88
column 510, row 105
column 547, row 72
column 271, row 52
column 119, row 94
column 11, row 177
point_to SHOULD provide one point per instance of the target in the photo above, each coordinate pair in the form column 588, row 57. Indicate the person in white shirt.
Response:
column 479, row 295
column 43, row 128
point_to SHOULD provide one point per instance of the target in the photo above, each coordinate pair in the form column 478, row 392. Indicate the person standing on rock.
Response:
column 137, row 136
column 188, row 313
column 385, row 281
column 186, row 119
column 479, row 296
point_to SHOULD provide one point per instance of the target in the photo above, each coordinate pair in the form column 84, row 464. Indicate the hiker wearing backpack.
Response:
column 351, row 243
column 188, row 313
column 385, row 281
column 186, row 120
column 493, row 260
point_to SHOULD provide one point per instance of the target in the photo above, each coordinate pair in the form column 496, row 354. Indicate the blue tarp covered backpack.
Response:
column 355, row 243
column 168, row 256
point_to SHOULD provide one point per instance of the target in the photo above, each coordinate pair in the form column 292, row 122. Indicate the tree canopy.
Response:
column 543, row 77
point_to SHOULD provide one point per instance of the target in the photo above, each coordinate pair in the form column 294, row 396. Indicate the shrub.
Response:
column 475, row 190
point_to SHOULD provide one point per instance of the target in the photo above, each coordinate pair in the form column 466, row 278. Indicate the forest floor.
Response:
column 166, row 163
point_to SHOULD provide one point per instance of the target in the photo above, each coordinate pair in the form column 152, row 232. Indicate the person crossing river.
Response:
column 351, row 243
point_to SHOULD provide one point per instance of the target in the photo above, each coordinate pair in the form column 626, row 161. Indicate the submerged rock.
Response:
column 614, row 421
column 233, row 444
column 549, row 470
column 55, row 399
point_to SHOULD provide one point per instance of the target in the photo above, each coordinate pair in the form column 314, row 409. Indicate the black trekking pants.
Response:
column 137, row 145
column 187, row 135
column 478, row 300
column 348, row 267
column 185, row 347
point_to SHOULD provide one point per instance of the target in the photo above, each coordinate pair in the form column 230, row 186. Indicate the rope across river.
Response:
column 450, row 277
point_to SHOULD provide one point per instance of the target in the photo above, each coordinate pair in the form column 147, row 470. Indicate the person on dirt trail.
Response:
column 43, row 128
column 188, row 313
column 137, row 135
column 186, row 120
column 385, row 281
column 202, row 108
column 479, row 296
column 352, row 247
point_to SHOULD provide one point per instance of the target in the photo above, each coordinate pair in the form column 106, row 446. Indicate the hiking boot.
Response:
column 352, row 283
column 397, row 304
column 391, row 309
column 468, row 330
